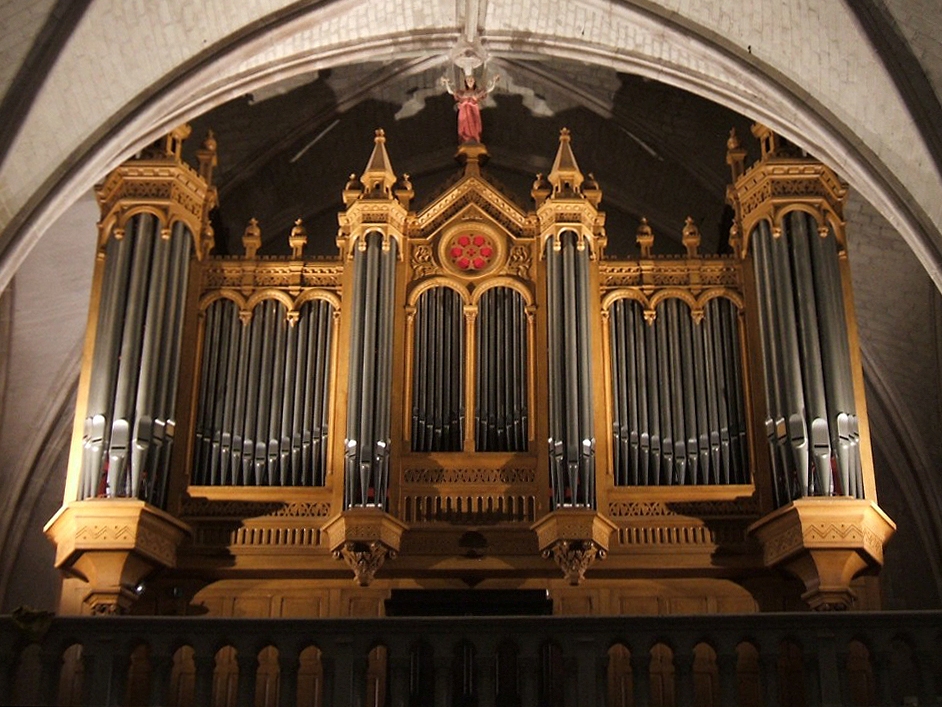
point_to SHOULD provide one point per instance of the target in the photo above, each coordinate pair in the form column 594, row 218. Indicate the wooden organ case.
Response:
column 470, row 396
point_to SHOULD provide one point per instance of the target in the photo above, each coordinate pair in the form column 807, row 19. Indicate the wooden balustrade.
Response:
column 762, row 659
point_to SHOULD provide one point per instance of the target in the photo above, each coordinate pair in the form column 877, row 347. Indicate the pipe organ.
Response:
column 470, row 395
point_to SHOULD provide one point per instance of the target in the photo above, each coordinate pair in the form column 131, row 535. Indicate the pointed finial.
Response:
column 352, row 190
column 691, row 238
column 207, row 158
column 644, row 237
column 735, row 155
column 297, row 240
column 591, row 190
column 565, row 175
column 252, row 238
column 540, row 190
column 404, row 192
column 379, row 178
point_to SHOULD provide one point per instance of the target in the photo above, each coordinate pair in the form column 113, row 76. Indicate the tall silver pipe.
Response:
column 722, row 396
column 322, row 413
column 170, row 367
column 276, row 405
column 689, row 385
column 836, row 359
column 679, row 318
column 354, row 377
column 104, row 362
column 234, row 334
column 128, row 369
column 215, row 408
column 143, row 427
column 368, row 363
column 307, row 402
column 783, row 461
column 792, row 377
column 584, row 368
column 242, row 384
column 207, row 383
column 640, row 333
column 288, row 471
column 384, row 362
column 251, row 398
column 554, row 336
column 307, row 320
column 619, row 392
column 800, row 227
column 315, row 382
column 664, row 393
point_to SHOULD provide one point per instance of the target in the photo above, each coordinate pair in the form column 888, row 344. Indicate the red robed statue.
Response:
column 468, row 103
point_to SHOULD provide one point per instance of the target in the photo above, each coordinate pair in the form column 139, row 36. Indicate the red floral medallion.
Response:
column 471, row 252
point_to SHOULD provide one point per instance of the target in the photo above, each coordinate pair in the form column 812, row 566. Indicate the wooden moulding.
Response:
column 574, row 538
column 113, row 544
column 364, row 538
column 825, row 542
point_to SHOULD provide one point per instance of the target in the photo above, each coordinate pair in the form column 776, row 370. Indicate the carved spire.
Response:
column 565, row 175
column 379, row 178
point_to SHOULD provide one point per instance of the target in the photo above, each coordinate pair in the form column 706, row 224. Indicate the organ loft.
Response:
column 471, row 404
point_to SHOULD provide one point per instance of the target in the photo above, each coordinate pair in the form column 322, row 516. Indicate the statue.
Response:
column 468, row 103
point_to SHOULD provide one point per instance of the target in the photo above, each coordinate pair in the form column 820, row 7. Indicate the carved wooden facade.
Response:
column 473, row 395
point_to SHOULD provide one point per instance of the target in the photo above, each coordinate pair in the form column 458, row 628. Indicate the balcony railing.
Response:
column 761, row 659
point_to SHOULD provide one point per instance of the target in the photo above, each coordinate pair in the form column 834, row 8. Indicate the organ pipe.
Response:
column 501, row 377
column 807, row 361
column 690, row 371
column 262, row 415
column 129, row 423
column 572, row 439
column 367, row 444
column 438, row 378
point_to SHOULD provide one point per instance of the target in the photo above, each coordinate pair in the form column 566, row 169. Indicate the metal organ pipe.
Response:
column 799, row 229
column 501, row 388
column 384, row 388
column 168, row 374
column 285, row 382
column 809, row 327
column 438, row 375
column 835, row 349
column 371, row 352
column 776, row 432
column 682, row 367
column 572, row 439
column 557, row 454
column 134, row 362
column 130, row 357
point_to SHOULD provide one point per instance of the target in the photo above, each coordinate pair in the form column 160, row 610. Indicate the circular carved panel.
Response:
column 471, row 251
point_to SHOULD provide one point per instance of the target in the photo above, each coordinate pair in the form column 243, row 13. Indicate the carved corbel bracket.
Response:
column 364, row 538
column 825, row 542
column 574, row 538
column 113, row 544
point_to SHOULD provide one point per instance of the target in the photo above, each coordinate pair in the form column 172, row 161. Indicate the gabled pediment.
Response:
column 474, row 197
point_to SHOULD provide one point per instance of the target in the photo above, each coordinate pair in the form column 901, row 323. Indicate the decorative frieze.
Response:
column 469, row 476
